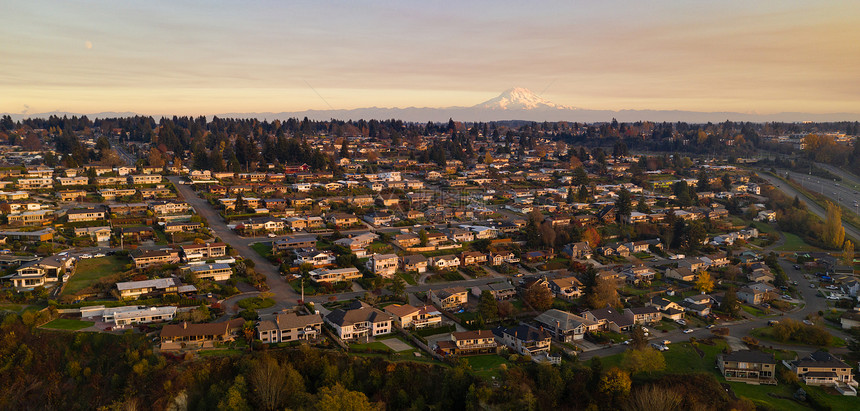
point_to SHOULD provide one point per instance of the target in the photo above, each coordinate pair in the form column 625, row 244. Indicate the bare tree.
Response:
column 653, row 397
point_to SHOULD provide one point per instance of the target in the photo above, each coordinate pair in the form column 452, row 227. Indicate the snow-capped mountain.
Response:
column 519, row 98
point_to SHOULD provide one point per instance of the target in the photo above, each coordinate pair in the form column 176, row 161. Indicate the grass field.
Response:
column 795, row 243
column 12, row 307
column 66, row 324
column 256, row 303
column 214, row 353
column 90, row 270
column 409, row 278
column 376, row 346
column 486, row 366
column 263, row 249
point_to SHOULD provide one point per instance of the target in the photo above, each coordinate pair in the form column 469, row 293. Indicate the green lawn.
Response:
column 795, row 243
column 90, row 270
column 376, row 346
column 67, row 324
column 753, row 310
column 409, row 278
column 263, row 249
column 486, row 366
column 213, row 353
column 12, row 307
column 256, row 303
column 765, row 334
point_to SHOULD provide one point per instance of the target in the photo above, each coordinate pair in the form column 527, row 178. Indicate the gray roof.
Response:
column 561, row 319
column 357, row 313
column 750, row 356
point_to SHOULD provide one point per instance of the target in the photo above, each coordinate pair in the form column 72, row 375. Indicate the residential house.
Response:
column 407, row 240
column 359, row 321
column 383, row 264
column 609, row 319
column 681, row 274
column 472, row 258
column 501, row 290
column 214, row 272
column 504, row 257
column 643, row 315
column 97, row 233
column 415, row 262
column 131, row 315
column 564, row 326
column 523, row 339
column 449, row 299
column 291, row 242
column 314, row 257
column 343, row 219
column 179, row 227
column 144, row 179
column 822, row 368
column 175, row 336
column 290, row 327
column 458, row 234
column 464, row 343
column 135, row 289
column 751, row 367
column 445, row 262
column 751, row 296
column 407, row 316
column 567, row 288
column 579, row 251
column 51, row 269
column 147, row 258
column 322, row 275
column 207, row 251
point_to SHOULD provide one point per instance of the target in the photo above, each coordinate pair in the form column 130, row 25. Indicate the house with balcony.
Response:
column 449, row 299
column 473, row 258
column 322, row 275
column 148, row 258
column 567, row 288
column 407, row 316
column 502, row 290
column 359, row 321
column 643, row 315
column 135, row 289
column 609, row 319
column 384, row 265
column 465, row 343
column 197, row 252
column 314, row 257
column 293, row 242
column 524, row 340
column 751, row 367
column 290, row 327
column 214, row 272
column 32, row 274
column 822, row 368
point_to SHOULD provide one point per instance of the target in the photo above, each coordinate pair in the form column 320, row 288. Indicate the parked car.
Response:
column 710, row 326
column 681, row 321
column 811, row 285
column 272, row 235
column 796, row 267
column 688, row 330
column 786, row 297
column 807, row 322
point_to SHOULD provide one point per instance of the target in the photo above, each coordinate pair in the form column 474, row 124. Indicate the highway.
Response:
column 811, row 205
column 843, row 192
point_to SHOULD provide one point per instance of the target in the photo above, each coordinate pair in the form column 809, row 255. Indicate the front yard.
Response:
column 68, row 324
column 89, row 271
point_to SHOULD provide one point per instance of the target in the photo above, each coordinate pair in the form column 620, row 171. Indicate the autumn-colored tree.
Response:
column 833, row 234
column 156, row 158
column 704, row 283
column 604, row 292
column 615, row 383
column 848, row 253
column 592, row 237
column 654, row 397
column 539, row 297
column 644, row 360
column 338, row 398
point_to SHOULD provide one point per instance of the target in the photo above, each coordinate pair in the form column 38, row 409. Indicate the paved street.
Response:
column 283, row 293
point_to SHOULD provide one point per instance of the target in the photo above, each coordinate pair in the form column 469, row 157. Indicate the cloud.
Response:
column 88, row 44
column 26, row 109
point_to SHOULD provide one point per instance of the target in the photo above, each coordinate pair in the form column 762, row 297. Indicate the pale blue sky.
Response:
column 211, row 57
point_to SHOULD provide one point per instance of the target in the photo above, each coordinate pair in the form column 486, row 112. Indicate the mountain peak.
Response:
column 519, row 98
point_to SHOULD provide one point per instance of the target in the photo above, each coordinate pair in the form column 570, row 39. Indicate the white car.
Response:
column 688, row 330
column 99, row 255
column 272, row 235
column 85, row 256
column 681, row 321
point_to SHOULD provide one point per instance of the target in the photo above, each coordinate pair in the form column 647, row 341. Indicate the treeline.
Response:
column 52, row 370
